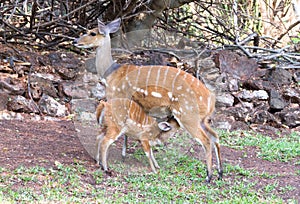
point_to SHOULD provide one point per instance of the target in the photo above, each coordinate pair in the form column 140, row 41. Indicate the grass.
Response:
column 180, row 180
column 282, row 149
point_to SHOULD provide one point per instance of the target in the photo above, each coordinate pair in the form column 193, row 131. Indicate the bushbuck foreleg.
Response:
column 124, row 147
column 148, row 151
column 215, row 140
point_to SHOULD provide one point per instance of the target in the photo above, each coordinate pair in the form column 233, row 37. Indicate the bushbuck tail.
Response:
column 124, row 116
column 160, row 90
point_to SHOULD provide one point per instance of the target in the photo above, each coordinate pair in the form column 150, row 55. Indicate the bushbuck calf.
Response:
column 124, row 116
column 159, row 90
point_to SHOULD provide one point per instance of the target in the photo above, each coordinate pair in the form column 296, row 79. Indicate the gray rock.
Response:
column 50, row 106
column 276, row 101
column 290, row 117
column 292, row 95
column 11, row 85
column 21, row 104
column 253, row 95
column 98, row 91
column 90, row 65
column 279, row 76
column 76, row 90
column 84, row 105
column 224, row 100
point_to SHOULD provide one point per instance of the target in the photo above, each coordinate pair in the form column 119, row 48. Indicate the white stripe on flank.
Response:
column 174, row 80
column 165, row 76
column 148, row 76
column 137, row 77
column 157, row 77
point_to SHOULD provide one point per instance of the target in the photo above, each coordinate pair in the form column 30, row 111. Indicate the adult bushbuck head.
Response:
column 159, row 90
column 124, row 116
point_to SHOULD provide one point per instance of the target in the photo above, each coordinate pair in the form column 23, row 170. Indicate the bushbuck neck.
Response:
column 104, row 59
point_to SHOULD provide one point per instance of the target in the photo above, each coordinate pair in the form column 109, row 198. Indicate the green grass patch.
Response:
column 283, row 148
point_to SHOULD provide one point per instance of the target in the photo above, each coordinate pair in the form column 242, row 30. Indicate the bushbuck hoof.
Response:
column 109, row 172
column 220, row 173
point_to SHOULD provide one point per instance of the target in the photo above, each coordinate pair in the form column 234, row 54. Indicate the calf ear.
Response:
column 164, row 126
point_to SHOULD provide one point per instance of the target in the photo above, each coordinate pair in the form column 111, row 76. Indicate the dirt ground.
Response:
column 31, row 143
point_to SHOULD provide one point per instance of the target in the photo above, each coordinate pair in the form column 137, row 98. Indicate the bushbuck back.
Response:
column 124, row 116
column 160, row 91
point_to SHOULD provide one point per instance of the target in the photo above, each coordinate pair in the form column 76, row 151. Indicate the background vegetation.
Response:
column 237, row 22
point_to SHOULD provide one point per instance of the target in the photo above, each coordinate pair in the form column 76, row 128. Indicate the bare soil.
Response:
column 42, row 143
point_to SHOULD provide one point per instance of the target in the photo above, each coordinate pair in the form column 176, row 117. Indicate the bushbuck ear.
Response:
column 164, row 126
column 114, row 25
column 102, row 28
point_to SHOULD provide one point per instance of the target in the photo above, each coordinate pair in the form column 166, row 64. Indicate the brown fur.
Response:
column 122, row 116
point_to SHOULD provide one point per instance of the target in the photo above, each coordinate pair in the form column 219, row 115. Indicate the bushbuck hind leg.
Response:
column 148, row 151
column 206, row 143
column 98, row 142
column 111, row 135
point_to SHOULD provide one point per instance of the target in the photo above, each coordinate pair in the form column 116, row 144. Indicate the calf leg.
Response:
column 148, row 151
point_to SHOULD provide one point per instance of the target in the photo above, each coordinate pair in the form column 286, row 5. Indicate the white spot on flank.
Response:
column 200, row 98
column 170, row 95
column 179, row 88
column 156, row 94
column 118, row 89
column 114, row 88
column 146, row 92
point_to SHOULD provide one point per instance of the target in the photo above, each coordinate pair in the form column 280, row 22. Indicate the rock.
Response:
column 21, row 104
column 10, row 115
column 253, row 95
column 227, row 83
column 90, row 65
column 4, row 97
column 40, row 86
column 290, row 117
column 11, row 85
column 76, row 90
column 297, row 77
column 292, row 94
column 279, row 76
column 276, row 101
column 224, row 100
column 240, row 67
column 86, row 105
column 263, row 117
column 50, row 106
column 65, row 64
column 98, row 91
column 258, row 85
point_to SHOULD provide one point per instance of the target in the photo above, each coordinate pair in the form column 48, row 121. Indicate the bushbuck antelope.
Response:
column 124, row 116
column 159, row 90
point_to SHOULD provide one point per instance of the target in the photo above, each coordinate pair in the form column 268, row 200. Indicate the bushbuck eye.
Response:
column 93, row 34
